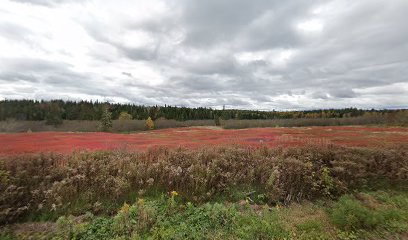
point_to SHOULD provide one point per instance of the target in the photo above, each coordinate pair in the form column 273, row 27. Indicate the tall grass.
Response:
column 33, row 185
column 304, row 122
column 93, row 126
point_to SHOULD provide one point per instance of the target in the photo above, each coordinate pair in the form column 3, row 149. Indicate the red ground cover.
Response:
column 66, row 142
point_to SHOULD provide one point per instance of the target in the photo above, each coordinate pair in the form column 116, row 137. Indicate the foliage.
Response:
column 352, row 214
column 33, row 185
column 149, row 124
column 125, row 116
column 217, row 121
column 106, row 119
column 167, row 217
column 54, row 114
column 83, row 110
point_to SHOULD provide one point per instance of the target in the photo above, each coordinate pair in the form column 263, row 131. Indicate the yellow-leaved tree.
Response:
column 125, row 116
column 149, row 123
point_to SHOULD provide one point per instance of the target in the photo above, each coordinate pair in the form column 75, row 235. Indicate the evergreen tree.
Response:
column 53, row 116
column 106, row 119
column 217, row 121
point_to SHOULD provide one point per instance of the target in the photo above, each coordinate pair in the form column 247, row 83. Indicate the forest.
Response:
column 33, row 110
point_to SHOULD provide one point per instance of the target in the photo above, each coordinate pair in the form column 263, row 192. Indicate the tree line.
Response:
column 58, row 110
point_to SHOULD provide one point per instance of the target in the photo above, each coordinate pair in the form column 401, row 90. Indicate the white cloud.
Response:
column 313, row 25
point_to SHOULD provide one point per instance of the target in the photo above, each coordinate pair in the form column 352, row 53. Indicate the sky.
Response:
column 259, row 54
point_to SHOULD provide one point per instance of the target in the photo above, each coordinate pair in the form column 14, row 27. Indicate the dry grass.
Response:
column 300, row 122
column 36, row 183
column 13, row 126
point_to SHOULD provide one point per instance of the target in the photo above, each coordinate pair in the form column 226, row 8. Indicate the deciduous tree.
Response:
column 149, row 123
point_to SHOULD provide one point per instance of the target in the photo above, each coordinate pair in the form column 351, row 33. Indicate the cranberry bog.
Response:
column 67, row 142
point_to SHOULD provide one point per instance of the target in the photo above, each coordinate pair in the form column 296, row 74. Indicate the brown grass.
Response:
column 36, row 183
column 13, row 126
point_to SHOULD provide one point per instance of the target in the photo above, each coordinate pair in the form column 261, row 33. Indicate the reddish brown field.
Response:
column 67, row 142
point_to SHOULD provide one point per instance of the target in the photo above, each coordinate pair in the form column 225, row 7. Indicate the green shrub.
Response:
column 99, row 229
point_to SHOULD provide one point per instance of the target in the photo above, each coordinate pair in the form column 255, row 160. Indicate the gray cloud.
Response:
column 260, row 54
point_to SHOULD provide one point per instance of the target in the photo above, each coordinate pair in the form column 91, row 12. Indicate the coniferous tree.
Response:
column 106, row 119
column 53, row 116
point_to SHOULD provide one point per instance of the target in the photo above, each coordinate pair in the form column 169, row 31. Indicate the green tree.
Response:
column 53, row 116
column 217, row 121
column 106, row 119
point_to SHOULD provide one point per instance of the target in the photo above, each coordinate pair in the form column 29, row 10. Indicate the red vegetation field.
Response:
column 67, row 142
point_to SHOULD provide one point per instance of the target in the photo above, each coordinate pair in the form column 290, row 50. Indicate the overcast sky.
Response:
column 259, row 54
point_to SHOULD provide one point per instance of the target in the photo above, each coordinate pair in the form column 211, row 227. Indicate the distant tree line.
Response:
column 57, row 110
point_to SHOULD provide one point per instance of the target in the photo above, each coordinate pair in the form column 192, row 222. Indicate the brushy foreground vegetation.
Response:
column 182, row 193
column 371, row 215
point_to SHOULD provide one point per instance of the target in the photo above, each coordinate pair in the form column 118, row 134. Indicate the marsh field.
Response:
column 327, row 182
column 196, row 120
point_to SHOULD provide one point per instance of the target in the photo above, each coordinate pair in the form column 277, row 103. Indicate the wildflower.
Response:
column 125, row 208
column 140, row 202
column 174, row 193
column 53, row 207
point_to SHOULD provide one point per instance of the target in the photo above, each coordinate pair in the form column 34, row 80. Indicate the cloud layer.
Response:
column 261, row 54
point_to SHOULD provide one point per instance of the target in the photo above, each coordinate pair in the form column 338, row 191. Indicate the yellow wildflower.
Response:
column 174, row 193
column 125, row 208
column 140, row 202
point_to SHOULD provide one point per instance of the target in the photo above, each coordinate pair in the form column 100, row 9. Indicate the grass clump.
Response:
column 350, row 214
column 361, row 216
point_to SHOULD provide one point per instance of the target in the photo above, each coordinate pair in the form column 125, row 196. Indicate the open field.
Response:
column 65, row 142
column 297, row 192
column 343, row 182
